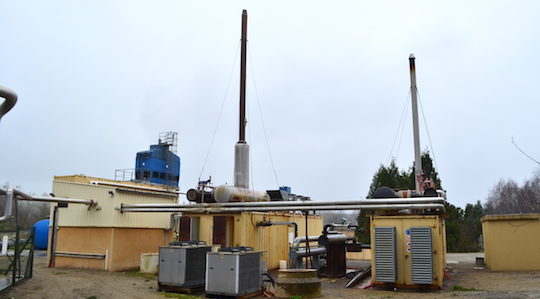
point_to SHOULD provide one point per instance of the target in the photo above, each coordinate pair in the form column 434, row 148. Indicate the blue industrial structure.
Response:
column 41, row 234
column 159, row 165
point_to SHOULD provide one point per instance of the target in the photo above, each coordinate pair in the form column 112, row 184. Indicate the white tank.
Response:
column 226, row 193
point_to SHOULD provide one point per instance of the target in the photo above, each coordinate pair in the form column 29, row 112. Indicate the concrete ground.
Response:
column 464, row 281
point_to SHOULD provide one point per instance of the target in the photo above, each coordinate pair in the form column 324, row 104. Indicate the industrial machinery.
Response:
column 408, row 250
column 159, row 164
column 329, row 257
column 233, row 272
column 182, row 266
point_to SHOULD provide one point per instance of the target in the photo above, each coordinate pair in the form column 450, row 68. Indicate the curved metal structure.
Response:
column 10, row 100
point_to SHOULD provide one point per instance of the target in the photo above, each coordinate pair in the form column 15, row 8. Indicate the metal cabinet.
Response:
column 182, row 266
column 233, row 273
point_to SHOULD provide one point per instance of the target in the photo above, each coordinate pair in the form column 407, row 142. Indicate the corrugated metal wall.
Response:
column 273, row 240
column 108, row 199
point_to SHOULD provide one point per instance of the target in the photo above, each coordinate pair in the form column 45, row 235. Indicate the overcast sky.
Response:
column 98, row 80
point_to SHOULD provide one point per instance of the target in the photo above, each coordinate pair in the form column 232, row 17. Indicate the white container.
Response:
column 282, row 264
column 149, row 262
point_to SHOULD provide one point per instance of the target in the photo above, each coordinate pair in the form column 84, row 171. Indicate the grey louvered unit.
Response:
column 421, row 255
column 385, row 254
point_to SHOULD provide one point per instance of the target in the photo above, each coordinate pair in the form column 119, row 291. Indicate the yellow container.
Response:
column 401, row 226
column 512, row 242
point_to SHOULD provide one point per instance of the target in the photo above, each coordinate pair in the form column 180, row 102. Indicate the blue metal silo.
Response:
column 160, row 164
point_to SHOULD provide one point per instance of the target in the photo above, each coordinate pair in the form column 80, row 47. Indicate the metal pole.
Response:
column 414, row 98
column 242, row 135
column 54, row 226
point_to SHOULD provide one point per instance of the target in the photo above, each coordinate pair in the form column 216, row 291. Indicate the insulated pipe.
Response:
column 298, row 240
column 24, row 196
column 288, row 208
column 10, row 100
column 8, row 206
column 419, row 200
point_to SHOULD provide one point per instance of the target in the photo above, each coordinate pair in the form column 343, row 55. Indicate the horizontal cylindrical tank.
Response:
column 200, row 196
column 226, row 193
column 42, row 234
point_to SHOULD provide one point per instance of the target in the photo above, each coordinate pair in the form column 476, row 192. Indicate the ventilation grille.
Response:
column 421, row 255
column 385, row 254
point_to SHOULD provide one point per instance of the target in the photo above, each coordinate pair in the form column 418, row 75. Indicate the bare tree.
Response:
column 507, row 197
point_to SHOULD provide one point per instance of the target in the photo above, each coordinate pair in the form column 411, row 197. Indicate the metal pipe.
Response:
column 21, row 195
column 133, row 186
column 80, row 255
column 215, row 210
column 8, row 206
column 298, row 240
column 243, row 55
column 419, row 200
column 288, row 223
column 417, row 158
column 10, row 100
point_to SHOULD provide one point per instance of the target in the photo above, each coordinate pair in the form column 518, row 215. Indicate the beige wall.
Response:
column 109, row 198
column 402, row 223
column 123, row 246
column 273, row 240
column 512, row 242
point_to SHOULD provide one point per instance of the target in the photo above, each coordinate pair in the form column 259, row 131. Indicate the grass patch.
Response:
column 463, row 289
column 91, row 297
column 176, row 295
column 59, row 273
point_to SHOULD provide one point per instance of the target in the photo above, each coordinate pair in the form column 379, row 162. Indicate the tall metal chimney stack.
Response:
column 241, row 149
column 417, row 155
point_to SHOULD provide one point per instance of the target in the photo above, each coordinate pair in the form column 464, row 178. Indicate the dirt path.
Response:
column 464, row 282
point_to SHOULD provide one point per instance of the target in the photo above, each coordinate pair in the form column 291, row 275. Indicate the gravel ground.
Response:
column 465, row 281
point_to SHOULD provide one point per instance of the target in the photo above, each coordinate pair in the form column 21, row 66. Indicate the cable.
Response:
column 427, row 130
column 402, row 129
column 261, row 116
column 524, row 153
column 401, row 122
column 220, row 111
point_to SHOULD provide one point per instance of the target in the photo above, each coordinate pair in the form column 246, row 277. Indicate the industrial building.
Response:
column 102, row 237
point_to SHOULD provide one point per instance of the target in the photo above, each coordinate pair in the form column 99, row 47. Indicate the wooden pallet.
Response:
column 177, row 289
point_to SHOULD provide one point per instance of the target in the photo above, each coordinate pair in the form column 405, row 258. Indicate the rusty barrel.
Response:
column 298, row 282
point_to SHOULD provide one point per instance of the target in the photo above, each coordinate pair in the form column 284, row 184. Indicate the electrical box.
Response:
column 233, row 273
column 182, row 266
column 408, row 250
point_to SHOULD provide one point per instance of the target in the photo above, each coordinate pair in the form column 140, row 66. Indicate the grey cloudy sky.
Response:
column 98, row 80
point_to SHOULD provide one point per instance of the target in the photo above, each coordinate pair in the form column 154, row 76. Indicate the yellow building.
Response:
column 241, row 229
column 408, row 250
column 103, row 237
column 512, row 242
